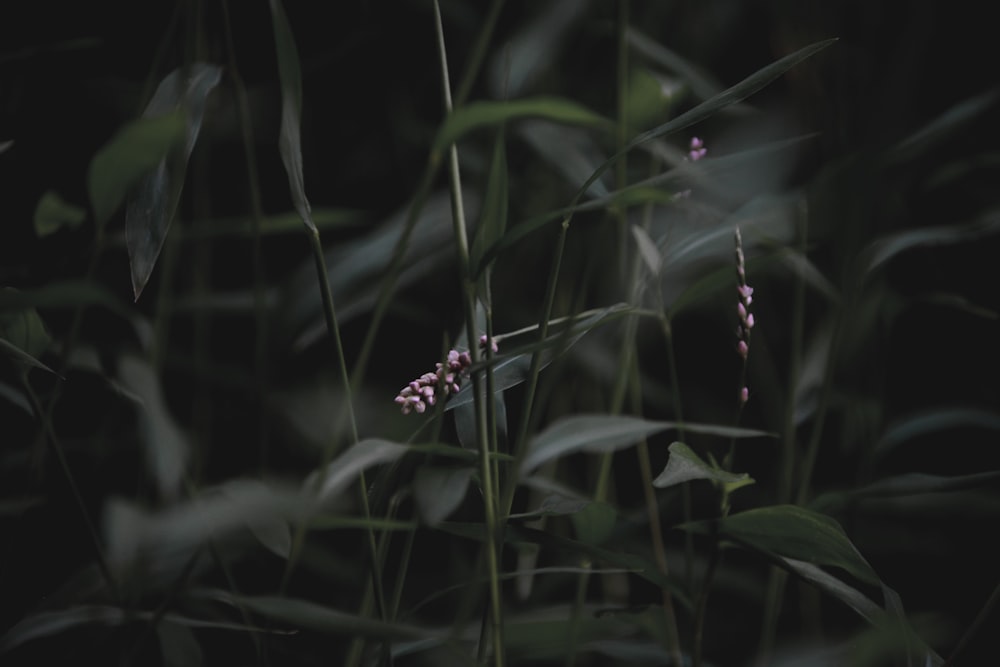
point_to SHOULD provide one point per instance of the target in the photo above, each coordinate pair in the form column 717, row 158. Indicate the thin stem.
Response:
column 469, row 307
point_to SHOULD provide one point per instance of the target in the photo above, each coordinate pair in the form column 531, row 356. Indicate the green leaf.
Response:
column 439, row 491
column 297, row 614
column 153, row 202
column 134, row 151
column 290, row 140
column 594, row 523
column 493, row 219
column 52, row 214
column 23, row 337
column 684, row 465
column 608, row 433
column 790, row 531
column 932, row 421
column 485, row 114
column 909, row 484
column 886, row 248
column 343, row 471
column 647, row 250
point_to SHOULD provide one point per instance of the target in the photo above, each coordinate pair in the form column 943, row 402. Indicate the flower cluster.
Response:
column 422, row 392
column 743, row 310
column 696, row 149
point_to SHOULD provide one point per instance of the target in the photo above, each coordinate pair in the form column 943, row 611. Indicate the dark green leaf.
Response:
column 290, row 141
column 493, row 218
column 153, row 202
column 908, row 484
column 594, row 523
column 52, row 214
column 439, row 491
column 485, row 114
column 137, row 149
column 933, row 421
column 790, row 531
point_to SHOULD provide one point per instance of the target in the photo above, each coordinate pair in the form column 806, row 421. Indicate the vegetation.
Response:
column 684, row 309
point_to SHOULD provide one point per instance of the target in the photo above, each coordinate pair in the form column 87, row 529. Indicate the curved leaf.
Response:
column 342, row 472
column 439, row 491
column 152, row 205
column 607, row 433
column 684, row 465
column 486, row 114
column 790, row 531
column 52, row 214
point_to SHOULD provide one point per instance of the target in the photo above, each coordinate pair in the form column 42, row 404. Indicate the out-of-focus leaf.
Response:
column 167, row 448
column 344, row 470
column 465, row 420
column 290, row 140
column 554, row 505
column 493, row 217
column 297, row 614
column 933, row 421
column 886, row 248
column 684, row 465
column 571, row 151
column 178, row 645
column 4, row 145
column 21, row 357
column 594, row 523
column 487, row 114
column 153, row 203
column 647, row 250
column 701, row 84
column 133, row 152
column 607, row 433
column 52, row 214
column 325, row 218
column 943, row 127
column 790, row 531
column 852, row 597
column 909, row 484
column 68, row 294
column 439, row 491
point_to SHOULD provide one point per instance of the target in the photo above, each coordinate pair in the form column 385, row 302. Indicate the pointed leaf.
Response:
column 684, row 465
column 908, row 484
column 931, row 421
column 485, row 114
column 647, row 250
column 493, row 221
column 134, row 151
column 886, row 248
column 439, row 491
column 290, row 140
column 153, row 203
column 607, row 433
column 795, row 532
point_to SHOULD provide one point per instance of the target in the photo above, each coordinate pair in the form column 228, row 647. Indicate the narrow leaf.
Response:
column 607, row 433
column 134, row 151
column 647, row 250
column 684, row 465
column 342, row 472
column 932, row 421
column 485, row 114
column 153, row 203
column 886, row 248
column 493, row 218
column 290, row 140
column 439, row 491
column 909, row 484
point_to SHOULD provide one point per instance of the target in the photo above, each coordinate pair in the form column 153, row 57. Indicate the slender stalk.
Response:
column 469, row 307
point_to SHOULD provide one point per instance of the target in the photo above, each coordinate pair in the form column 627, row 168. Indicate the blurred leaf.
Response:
column 888, row 247
column 554, row 505
column 852, row 597
column 478, row 115
column 439, row 491
column 22, row 358
column 325, row 218
column 5, row 145
column 178, row 645
column 932, row 421
column 153, row 202
column 702, row 85
column 52, row 214
column 167, row 449
column 608, row 433
column 594, row 523
column 647, row 250
column 465, row 420
column 684, row 465
column 23, row 337
column 944, row 127
column 137, row 149
column 790, row 531
column 493, row 218
column 909, row 484
column 69, row 294
column 290, row 141
column 303, row 615
column 571, row 151
column 271, row 530
column 345, row 469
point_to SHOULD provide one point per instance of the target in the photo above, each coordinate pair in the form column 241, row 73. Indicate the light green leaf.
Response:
column 52, row 214
column 684, row 465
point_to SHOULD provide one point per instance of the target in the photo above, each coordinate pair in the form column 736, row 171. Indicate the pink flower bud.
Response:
column 744, row 395
column 742, row 348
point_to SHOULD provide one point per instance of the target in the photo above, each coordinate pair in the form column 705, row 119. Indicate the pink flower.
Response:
column 696, row 149
column 423, row 392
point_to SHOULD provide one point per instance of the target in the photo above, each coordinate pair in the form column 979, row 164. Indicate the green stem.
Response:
column 480, row 400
